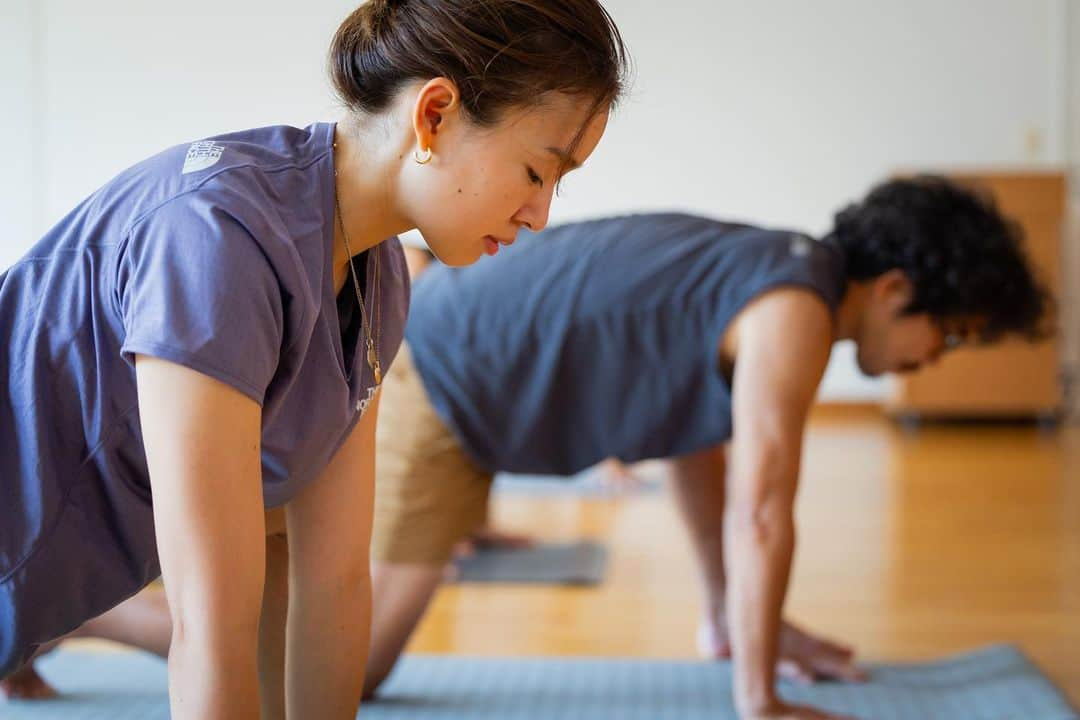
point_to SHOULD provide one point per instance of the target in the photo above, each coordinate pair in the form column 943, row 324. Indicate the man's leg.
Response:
column 699, row 487
column 698, row 482
column 400, row 594
column 417, row 525
column 272, row 621
column 428, row 497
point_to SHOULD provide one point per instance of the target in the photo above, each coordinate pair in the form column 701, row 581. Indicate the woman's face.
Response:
column 482, row 185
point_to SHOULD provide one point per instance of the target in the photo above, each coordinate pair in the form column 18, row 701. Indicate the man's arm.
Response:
column 329, row 623
column 782, row 344
column 699, row 486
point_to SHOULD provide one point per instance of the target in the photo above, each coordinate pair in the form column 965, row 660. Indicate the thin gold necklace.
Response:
column 371, row 340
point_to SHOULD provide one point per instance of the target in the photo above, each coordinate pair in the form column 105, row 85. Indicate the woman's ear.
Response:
column 438, row 105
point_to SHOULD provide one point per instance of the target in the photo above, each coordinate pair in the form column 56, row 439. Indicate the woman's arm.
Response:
column 329, row 625
column 202, row 449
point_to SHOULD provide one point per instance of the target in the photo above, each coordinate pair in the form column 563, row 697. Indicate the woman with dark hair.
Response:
column 204, row 338
column 740, row 321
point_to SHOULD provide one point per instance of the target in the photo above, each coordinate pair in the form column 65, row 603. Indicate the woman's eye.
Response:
column 534, row 178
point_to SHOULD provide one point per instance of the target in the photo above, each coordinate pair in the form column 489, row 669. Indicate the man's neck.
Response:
column 849, row 314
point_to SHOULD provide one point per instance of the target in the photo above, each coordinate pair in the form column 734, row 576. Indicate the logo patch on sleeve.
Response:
column 201, row 155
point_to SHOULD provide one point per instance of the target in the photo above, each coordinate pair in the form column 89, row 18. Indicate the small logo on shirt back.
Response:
column 201, row 155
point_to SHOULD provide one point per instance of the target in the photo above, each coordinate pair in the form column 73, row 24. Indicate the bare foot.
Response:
column 488, row 538
column 26, row 684
column 620, row 478
column 485, row 538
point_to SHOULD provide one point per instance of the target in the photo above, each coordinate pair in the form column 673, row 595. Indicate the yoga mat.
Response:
column 577, row 563
column 996, row 683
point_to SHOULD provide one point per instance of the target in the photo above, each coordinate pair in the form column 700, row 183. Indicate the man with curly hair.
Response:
column 670, row 336
column 681, row 337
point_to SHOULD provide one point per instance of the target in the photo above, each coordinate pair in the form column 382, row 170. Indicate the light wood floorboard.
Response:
column 912, row 545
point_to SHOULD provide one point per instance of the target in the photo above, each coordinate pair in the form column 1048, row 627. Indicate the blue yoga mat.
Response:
column 996, row 683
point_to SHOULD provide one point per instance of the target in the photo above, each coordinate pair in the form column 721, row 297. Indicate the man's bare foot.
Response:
column 619, row 478
column 26, row 684
column 488, row 538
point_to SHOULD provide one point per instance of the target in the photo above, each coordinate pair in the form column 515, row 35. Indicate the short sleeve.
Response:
column 195, row 288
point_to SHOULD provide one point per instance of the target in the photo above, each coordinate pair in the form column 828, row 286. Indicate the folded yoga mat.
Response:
column 577, row 563
column 996, row 683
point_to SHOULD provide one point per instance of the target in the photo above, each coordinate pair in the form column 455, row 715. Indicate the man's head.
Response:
column 936, row 266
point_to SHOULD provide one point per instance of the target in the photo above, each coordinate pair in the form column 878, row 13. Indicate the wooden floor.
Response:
column 912, row 545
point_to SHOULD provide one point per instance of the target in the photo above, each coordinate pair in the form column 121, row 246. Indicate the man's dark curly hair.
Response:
column 963, row 257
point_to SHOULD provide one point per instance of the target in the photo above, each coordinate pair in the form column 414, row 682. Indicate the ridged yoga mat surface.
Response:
column 996, row 683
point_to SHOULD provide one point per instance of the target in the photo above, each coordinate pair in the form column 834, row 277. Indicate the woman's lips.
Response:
column 492, row 243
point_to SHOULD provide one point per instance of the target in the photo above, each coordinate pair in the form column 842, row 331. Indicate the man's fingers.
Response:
column 817, row 668
column 834, row 648
column 838, row 670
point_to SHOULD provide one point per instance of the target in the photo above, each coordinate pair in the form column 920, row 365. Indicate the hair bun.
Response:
column 500, row 53
column 381, row 8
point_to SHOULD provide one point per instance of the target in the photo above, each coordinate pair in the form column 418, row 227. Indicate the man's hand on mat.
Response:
column 803, row 657
column 806, row 658
column 26, row 684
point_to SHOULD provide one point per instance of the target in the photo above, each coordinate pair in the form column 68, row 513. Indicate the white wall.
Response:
column 1071, row 254
column 16, row 127
column 774, row 111
column 780, row 111
column 123, row 79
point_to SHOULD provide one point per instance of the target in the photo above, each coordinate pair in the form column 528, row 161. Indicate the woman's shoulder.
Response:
column 279, row 167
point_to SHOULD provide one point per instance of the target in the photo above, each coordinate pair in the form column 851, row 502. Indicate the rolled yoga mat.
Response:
column 589, row 484
column 997, row 683
column 576, row 563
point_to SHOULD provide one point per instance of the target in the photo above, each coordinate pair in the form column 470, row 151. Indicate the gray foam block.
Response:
column 996, row 683
column 576, row 563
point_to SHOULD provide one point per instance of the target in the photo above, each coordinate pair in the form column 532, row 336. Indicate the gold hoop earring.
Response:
column 422, row 159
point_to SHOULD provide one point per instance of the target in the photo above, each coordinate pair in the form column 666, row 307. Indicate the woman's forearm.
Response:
column 212, row 675
column 329, row 630
column 202, row 446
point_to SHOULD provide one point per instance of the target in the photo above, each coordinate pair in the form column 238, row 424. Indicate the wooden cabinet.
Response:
column 1013, row 379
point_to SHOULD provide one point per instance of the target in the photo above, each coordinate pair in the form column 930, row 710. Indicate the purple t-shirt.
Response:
column 216, row 256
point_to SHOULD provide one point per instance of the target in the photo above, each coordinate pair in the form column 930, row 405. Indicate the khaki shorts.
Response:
column 428, row 494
